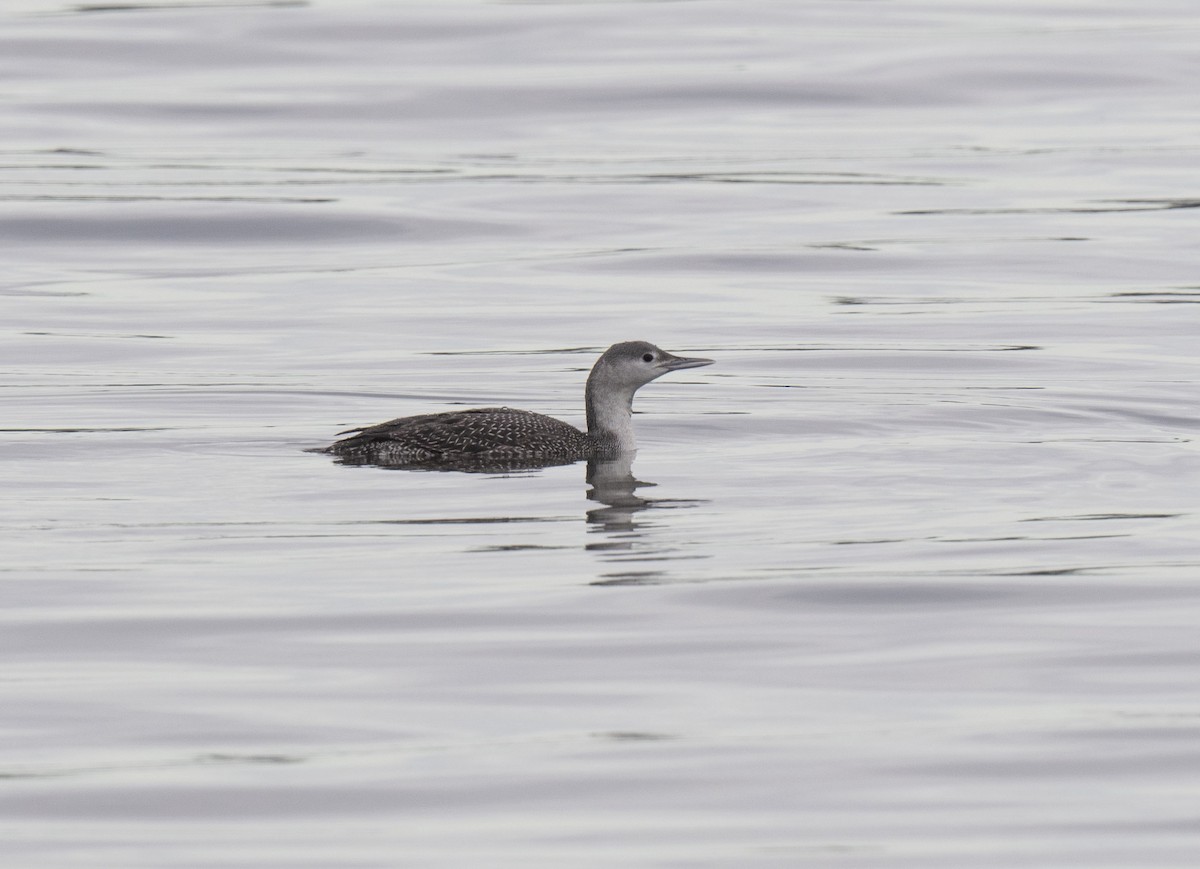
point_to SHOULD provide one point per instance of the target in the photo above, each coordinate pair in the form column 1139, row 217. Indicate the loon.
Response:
column 503, row 437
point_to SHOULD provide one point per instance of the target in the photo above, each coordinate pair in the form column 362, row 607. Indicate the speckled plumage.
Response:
column 495, row 435
column 501, row 438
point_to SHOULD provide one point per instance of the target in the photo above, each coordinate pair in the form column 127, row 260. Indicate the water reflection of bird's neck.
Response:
column 614, row 485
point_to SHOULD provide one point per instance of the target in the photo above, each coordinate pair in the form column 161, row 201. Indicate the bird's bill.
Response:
column 678, row 363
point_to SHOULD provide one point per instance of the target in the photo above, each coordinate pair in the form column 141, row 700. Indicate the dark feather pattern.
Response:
column 498, row 436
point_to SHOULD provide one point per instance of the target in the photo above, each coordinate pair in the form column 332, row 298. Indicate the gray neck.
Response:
column 609, row 415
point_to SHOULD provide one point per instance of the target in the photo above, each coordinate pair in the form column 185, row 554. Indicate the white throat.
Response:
column 610, row 411
column 610, row 419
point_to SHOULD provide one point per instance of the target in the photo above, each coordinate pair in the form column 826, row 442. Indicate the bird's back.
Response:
column 495, row 435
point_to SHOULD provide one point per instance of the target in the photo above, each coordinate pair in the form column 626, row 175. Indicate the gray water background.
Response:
column 918, row 581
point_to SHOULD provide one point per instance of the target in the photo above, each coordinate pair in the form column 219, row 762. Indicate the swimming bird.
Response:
column 502, row 436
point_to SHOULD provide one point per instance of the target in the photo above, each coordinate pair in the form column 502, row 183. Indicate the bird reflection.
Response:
column 615, row 531
column 624, row 537
column 613, row 485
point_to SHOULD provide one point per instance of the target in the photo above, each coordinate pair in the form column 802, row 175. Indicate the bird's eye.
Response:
column 649, row 357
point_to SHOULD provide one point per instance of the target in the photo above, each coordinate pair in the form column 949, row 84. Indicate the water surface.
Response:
column 906, row 579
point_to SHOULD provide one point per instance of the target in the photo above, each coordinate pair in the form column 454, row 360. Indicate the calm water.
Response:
column 916, row 584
